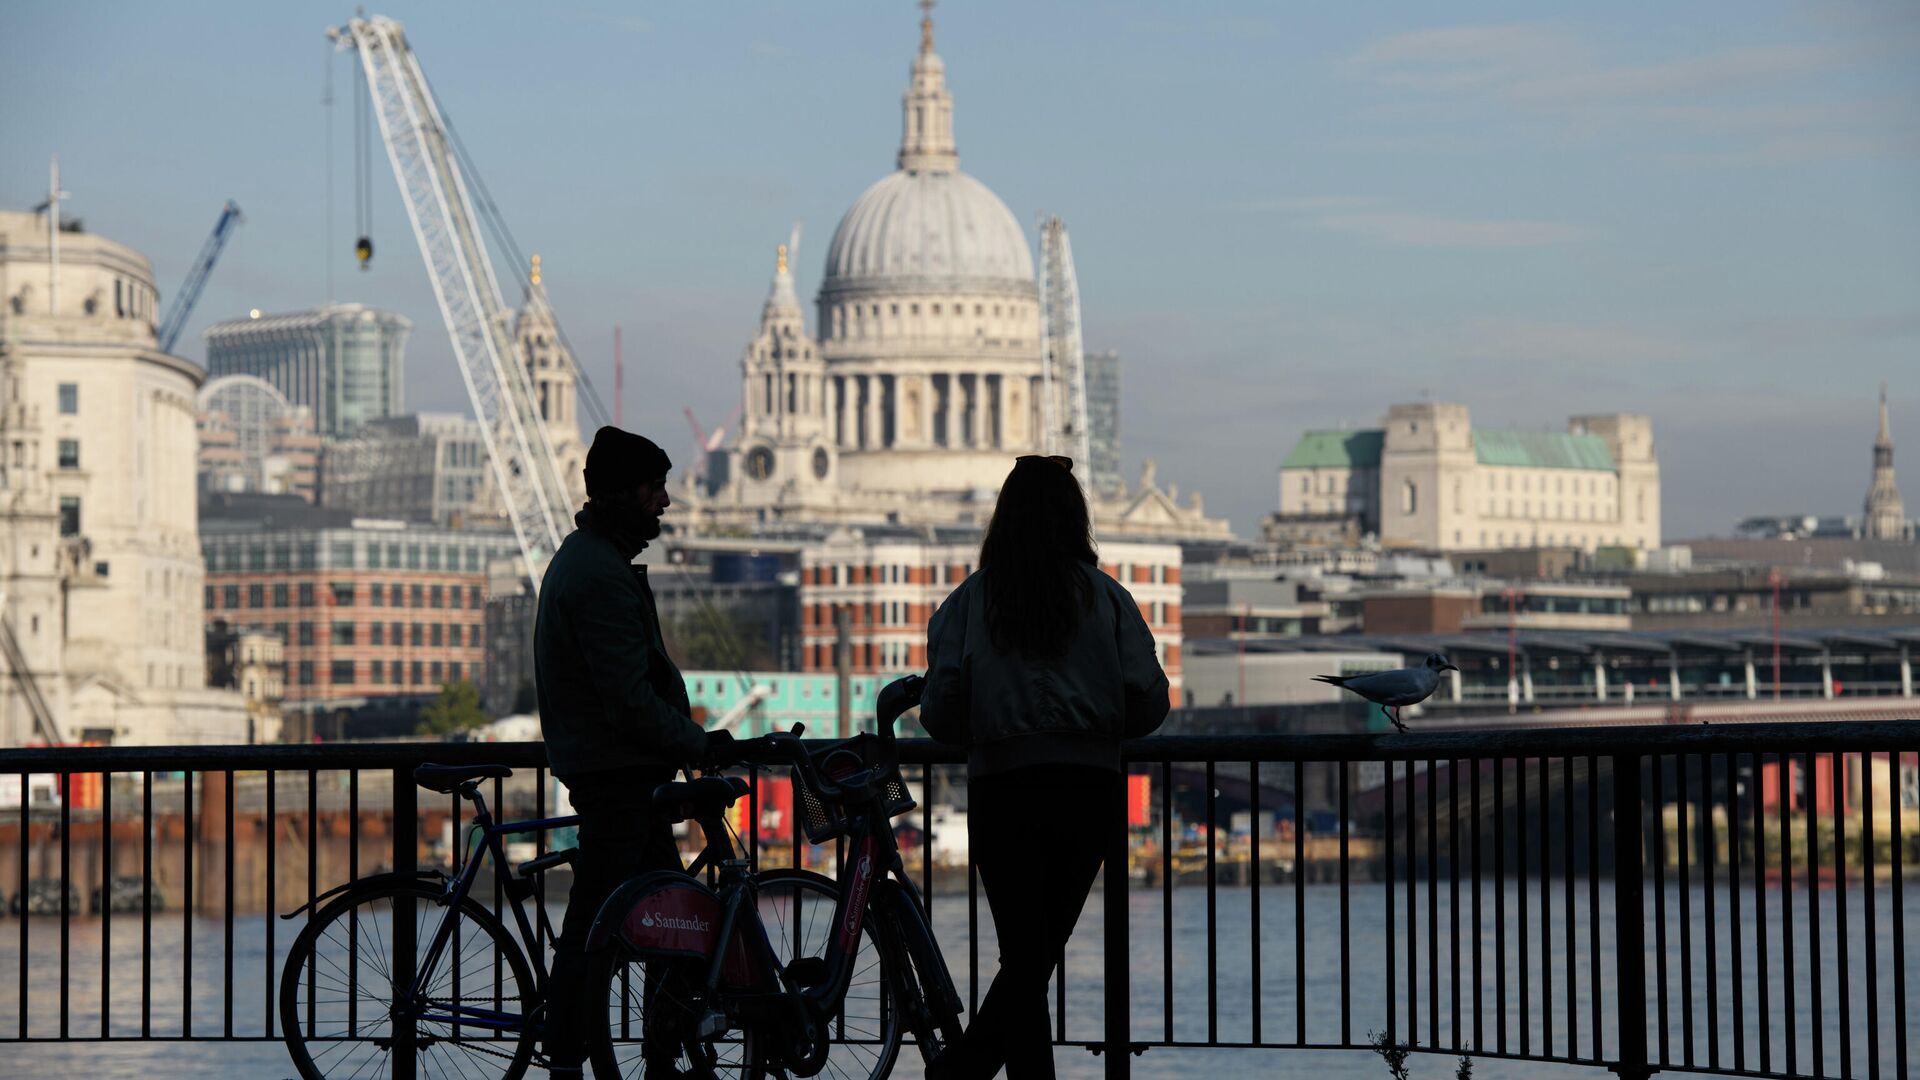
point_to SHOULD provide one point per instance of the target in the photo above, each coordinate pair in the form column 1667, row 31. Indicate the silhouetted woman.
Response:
column 1039, row 664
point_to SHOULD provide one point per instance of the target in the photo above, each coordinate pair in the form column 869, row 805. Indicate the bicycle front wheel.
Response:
column 338, row 1000
column 796, row 908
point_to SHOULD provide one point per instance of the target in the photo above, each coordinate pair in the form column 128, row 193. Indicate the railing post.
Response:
column 1630, row 926
column 406, row 833
column 1119, row 1003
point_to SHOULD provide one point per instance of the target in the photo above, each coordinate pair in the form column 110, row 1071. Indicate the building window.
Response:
column 453, row 634
column 419, row 635
column 436, row 673
column 413, row 558
column 1409, row 497
column 69, row 399
column 436, row 596
column 342, row 673
column 343, row 633
column 230, row 596
column 306, row 673
column 306, row 633
column 69, row 453
column 453, row 597
column 306, row 594
column 69, row 515
column 281, row 594
column 376, row 668
column 342, row 594
column 377, row 595
column 257, row 596
column 473, row 636
column 377, row 634
column 418, row 594
column 454, row 670
column 417, row 672
column 473, row 597
column 435, row 635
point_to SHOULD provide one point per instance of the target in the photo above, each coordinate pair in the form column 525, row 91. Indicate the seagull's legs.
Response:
column 1394, row 715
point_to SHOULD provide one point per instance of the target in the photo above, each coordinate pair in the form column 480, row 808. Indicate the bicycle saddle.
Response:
column 445, row 779
column 699, row 798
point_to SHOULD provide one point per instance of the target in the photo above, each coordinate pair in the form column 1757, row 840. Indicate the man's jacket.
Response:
column 1012, row 712
column 609, row 696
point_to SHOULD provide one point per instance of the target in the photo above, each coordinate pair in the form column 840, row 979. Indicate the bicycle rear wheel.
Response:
column 796, row 908
column 337, row 993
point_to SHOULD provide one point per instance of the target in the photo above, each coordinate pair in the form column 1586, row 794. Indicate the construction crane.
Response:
column 189, row 293
column 706, row 442
column 440, row 207
column 1063, row 374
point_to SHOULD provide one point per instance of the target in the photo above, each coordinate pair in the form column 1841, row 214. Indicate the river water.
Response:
column 1229, row 977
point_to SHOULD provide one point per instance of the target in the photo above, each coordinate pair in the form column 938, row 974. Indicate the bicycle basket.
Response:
column 823, row 820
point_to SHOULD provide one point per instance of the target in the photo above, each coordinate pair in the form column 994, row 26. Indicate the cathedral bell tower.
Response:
column 1886, row 517
column 783, row 455
column 550, row 367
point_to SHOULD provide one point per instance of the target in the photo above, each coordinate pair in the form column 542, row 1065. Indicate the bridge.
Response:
column 1729, row 898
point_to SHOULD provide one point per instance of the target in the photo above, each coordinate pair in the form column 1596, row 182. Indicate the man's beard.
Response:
column 636, row 524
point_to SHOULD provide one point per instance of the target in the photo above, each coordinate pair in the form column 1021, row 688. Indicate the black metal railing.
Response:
column 1730, row 898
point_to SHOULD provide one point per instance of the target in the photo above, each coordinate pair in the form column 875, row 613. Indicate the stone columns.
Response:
column 1599, row 677
column 871, row 436
column 849, row 424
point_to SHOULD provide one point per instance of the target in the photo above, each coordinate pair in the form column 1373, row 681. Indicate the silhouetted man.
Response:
column 613, row 707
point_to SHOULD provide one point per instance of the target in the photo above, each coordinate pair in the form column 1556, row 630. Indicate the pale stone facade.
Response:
column 1886, row 514
column 924, row 380
column 100, row 561
column 1428, row 479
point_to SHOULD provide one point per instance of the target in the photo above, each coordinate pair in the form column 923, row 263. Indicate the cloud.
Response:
column 1380, row 223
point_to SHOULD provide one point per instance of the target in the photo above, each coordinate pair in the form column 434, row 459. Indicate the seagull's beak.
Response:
column 1448, row 667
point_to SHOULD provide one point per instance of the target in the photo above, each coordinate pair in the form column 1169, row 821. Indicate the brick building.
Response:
column 366, row 608
column 889, row 586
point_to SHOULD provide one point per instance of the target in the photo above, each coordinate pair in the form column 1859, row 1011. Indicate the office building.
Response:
column 1103, row 423
column 344, row 362
column 888, row 585
column 1428, row 479
column 100, row 578
column 252, row 439
column 424, row 467
column 366, row 608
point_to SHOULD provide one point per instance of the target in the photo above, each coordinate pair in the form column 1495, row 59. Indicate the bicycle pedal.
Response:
column 808, row 971
column 711, row 1025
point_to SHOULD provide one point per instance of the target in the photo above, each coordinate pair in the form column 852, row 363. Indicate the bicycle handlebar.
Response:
column 895, row 699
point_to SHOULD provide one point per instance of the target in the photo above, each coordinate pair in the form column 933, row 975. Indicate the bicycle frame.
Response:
column 517, row 890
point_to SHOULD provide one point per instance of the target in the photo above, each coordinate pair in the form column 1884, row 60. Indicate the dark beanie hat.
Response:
column 620, row 460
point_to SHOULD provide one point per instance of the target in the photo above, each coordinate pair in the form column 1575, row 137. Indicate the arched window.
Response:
column 1409, row 497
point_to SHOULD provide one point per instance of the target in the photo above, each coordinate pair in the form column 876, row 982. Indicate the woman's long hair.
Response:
column 1038, row 539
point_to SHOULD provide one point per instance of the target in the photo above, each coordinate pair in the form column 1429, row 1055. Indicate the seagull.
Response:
column 1394, row 690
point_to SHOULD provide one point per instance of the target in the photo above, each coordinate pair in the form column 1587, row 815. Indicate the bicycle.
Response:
column 693, row 977
column 473, row 998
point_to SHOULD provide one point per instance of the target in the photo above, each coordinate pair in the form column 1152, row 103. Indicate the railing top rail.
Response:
column 1819, row 737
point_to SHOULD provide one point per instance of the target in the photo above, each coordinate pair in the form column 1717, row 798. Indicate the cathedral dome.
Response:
column 924, row 230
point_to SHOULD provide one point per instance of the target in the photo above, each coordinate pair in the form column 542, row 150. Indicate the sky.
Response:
column 1284, row 216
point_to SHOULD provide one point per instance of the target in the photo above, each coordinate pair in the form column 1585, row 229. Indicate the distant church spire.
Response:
column 926, row 121
column 1886, row 513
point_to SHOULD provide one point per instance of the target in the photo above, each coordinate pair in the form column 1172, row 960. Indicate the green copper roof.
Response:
column 1336, row 449
column 1541, row 450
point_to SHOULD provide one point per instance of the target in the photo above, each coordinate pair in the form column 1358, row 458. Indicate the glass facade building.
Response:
column 345, row 362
